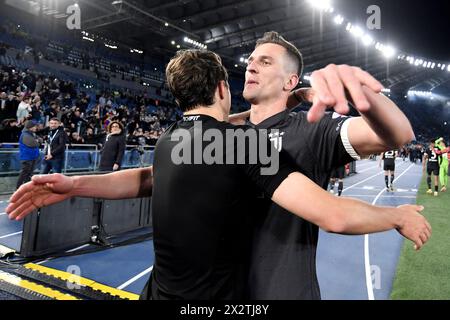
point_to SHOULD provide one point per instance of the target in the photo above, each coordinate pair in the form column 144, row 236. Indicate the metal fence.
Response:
column 78, row 158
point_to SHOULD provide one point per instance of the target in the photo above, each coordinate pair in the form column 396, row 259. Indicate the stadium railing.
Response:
column 78, row 158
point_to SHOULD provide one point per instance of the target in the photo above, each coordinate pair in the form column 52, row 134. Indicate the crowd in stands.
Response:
column 87, row 111
column 84, row 111
column 28, row 95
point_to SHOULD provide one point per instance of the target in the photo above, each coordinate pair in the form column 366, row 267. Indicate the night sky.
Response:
column 416, row 27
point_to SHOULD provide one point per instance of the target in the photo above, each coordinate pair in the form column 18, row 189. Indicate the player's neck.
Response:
column 213, row 111
column 261, row 112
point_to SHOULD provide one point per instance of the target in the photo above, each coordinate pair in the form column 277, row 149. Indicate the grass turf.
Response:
column 425, row 275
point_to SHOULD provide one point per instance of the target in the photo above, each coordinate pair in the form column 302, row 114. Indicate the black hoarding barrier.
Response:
column 74, row 222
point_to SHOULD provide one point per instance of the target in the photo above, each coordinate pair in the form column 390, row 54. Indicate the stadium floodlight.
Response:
column 339, row 19
column 433, row 65
column 116, row 2
column 388, row 51
column 357, row 32
column 367, row 40
column 348, row 27
column 241, row 59
column 172, row 42
column 166, row 24
column 110, row 46
column 448, row 69
column 195, row 43
column 443, row 67
column 321, row 4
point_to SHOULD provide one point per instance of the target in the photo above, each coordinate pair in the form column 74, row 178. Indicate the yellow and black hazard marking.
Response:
column 26, row 289
column 36, row 282
column 75, row 284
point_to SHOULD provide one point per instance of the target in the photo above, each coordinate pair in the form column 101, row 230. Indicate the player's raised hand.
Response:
column 42, row 190
column 333, row 87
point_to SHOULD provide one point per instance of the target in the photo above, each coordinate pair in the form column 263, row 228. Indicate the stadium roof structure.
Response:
column 231, row 27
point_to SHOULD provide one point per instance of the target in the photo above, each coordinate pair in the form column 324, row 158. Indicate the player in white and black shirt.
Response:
column 431, row 160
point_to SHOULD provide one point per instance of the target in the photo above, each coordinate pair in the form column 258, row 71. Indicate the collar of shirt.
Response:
column 273, row 121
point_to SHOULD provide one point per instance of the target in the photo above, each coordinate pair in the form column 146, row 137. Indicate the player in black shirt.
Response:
column 200, row 208
column 430, row 162
column 284, row 249
column 389, row 168
column 337, row 175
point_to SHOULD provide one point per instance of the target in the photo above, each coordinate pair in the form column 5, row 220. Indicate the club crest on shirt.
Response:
column 276, row 137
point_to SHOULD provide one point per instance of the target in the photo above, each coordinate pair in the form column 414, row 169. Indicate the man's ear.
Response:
column 222, row 89
column 292, row 82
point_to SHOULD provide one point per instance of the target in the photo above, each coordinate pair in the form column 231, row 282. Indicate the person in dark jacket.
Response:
column 114, row 148
column 55, row 148
column 28, row 152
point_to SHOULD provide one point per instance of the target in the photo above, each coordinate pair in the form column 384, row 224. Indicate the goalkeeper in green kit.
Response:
column 442, row 151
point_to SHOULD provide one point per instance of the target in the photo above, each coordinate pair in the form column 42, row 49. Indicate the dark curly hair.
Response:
column 108, row 129
column 193, row 76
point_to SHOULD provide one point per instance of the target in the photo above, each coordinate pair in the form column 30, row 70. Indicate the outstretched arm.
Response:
column 305, row 199
column 45, row 190
column 382, row 125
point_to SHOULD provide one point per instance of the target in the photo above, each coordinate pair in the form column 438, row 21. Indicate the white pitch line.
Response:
column 71, row 250
column 140, row 275
column 367, row 266
column 2, row 213
column 10, row 235
column 367, row 169
column 367, row 179
column 78, row 248
column 358, row 183
column 371, row 196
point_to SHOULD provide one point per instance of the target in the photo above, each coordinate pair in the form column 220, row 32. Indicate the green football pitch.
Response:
column 425, row 275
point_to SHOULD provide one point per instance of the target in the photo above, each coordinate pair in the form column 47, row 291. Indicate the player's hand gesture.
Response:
column 335, row 85
column 42, row 190
column 414, row 226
